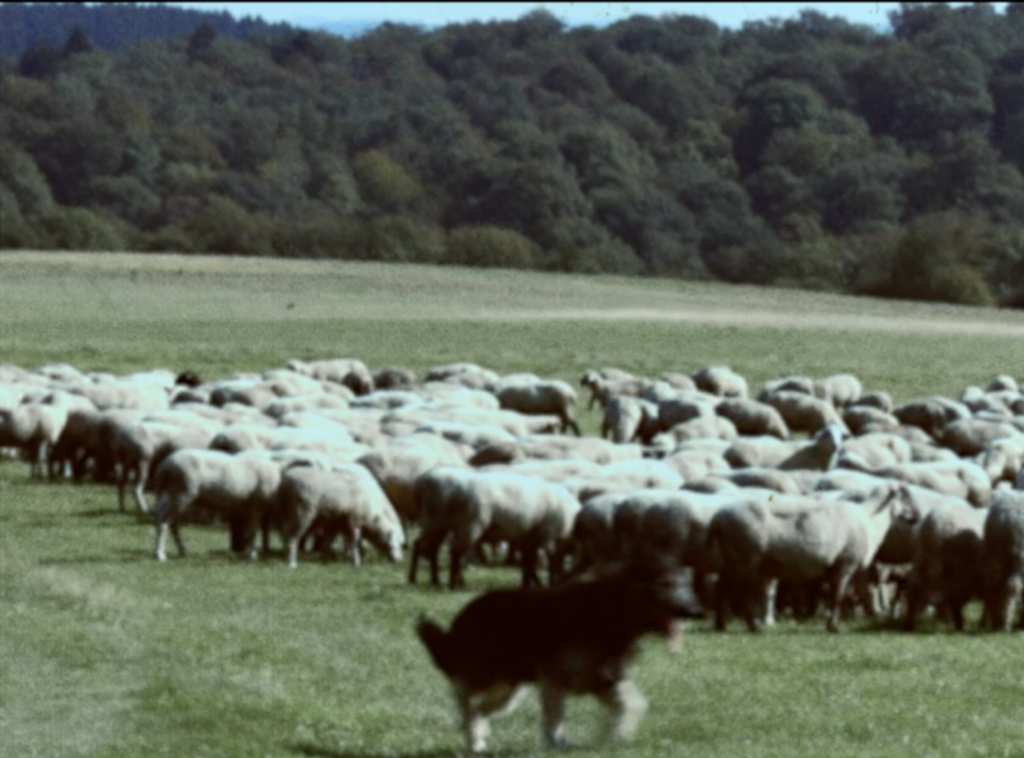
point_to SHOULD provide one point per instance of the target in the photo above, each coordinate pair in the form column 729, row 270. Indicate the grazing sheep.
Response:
column 804, row 413
column 682, row 408
column 559, row 447
column 242, row 487
column 1002, row 459
column 608, row 382
column 678, row 381
column 1004, row 555
column 760, row 452
column 804, row 384
column 928, row 415
column 962, row 479
column 468, row 375
column 703, row 428
column 839, row 389
column 798, row 539
column 860, row 417
column 874, row 451
column 346, row 499
column 821, row 454
column 1003, row 382
column 141, row 447
column 629, row 418
column 970, row 436
column 349, row 372
column 877, row 399
column 397, row 465
column 393, row 378
column 33, row 428
column 77, row 443
column 948, row 560
column 721, row 381
column 528, row 513
column 753, row 417
column 545, row 397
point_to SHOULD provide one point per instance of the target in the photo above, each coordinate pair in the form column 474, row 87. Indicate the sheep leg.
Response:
column 351, row 536
column 552, row 701
column 457, row 561
column 626, row 707
column 122, row 484
column 839, row 581
column 140, row 485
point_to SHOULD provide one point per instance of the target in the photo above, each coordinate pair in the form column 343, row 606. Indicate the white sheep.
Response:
column 861, row 418
column 839, row 389
column 969, row 436
column 552, row 397
column 397, row 465
column 804, row 413
column 347, row 500
column 721, row 381
column 629, row 418
column 702, row 428
column 821, row 454
column 753, row 417
column 798, row 539
column 33, row 428
column 349, row 372
column 948, row 561
column 963, row 479
column 1004, row 555
column 528, row 513
column 1003, row 458
column 141, row 447
column 874, row 451
column 242, row 488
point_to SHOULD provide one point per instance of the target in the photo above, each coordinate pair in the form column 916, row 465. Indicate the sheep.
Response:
column 874, row 451
column 753, row 417
column 721, row 381
column 393, row 378
column 241, row 487
column 1003, row 382
column 468, row 375
column 475, row 436
column 967, row 437
column 1002, row 459
column 544, row 397
column 1004, row 556
column 962, row 479
column 839, row 389
column 683, row 408
column 858, row 418
column 948, row 559
column 804, row 384
column 529, row 513
column 928, row 415
column 77, row 443
column 397, row 465
column 345, row 499
column 804, row 413
column 799, row 539
column 821, row 454
column 878, row 399
column 678, row 381
column 139, row 448
column 760, row 452
column 33, row 428
column 764, row 478
column 555, row 447
column 349, row 372
column 704, row 427
column 629, row 418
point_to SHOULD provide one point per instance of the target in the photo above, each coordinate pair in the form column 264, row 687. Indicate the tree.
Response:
column 78, row 42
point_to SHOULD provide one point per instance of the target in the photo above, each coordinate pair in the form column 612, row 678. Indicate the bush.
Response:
column 78, row 229
column 17, row 234
column 489, row 247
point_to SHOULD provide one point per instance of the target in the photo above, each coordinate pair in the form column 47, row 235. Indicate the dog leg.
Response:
column 626, row 706
column 552, row 702
column 474, row 724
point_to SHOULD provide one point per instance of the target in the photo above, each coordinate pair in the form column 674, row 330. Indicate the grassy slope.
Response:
column 105, row 653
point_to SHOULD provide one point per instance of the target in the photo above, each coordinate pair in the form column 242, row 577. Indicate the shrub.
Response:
column 489, row 247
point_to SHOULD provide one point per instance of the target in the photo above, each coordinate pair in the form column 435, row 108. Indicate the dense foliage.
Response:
column 111, row 26
column 810, row 152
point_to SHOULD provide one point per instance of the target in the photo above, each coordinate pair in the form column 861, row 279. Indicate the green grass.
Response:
column 104, row 652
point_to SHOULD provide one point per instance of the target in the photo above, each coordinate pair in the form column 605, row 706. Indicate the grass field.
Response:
column 105, row 653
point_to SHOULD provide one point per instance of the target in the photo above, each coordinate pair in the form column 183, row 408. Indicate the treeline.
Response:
column 111, row 26
column 811, row 152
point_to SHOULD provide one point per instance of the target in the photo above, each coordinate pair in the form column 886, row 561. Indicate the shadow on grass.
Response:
column 116, row 556
column 317, row 751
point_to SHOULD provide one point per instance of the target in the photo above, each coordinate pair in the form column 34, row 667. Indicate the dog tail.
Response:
column 438, row 643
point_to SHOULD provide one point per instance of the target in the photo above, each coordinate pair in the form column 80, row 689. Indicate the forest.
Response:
column 809, row 152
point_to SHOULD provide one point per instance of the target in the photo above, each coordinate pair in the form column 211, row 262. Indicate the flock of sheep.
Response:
column 876, row 501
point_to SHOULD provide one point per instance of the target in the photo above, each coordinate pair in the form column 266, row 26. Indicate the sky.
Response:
column 731, row 15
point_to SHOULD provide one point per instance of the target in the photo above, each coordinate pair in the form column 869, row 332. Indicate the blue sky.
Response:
column 436, row 14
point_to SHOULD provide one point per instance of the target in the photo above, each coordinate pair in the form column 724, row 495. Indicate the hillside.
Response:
column 811, row 153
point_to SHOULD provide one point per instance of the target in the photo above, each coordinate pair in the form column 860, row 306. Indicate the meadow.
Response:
column 104, row 652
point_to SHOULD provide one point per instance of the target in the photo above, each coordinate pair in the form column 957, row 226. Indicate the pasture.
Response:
column 104, row 652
